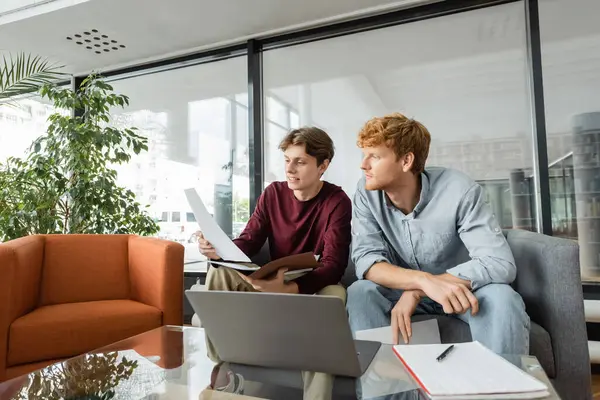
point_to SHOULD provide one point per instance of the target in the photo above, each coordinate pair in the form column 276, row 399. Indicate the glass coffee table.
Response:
column 171, row 363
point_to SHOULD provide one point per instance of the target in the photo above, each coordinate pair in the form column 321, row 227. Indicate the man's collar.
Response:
column 423, row 199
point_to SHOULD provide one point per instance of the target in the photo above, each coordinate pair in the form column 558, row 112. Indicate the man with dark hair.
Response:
column 425, row 241
column 302, row 214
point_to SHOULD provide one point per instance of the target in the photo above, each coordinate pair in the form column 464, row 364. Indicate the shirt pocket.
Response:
column 434, row 244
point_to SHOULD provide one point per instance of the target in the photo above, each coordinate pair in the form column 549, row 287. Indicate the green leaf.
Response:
column 23, row 74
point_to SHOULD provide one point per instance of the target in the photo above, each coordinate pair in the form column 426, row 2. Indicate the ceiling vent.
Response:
column 95, row 41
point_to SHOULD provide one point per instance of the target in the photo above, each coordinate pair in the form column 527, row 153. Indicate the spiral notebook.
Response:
column 469, row 371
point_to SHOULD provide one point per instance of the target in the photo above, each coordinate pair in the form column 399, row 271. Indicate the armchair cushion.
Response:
column 79, row 268
column 66, row 330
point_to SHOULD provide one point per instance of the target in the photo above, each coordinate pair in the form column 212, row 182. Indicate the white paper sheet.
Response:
column 423, row 332
column 212, row 232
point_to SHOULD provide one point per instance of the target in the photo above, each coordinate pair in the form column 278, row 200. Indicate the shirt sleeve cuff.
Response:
column 366, row 262
column 471, row 273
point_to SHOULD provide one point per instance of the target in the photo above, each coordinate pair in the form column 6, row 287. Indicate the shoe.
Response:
column 232, row 383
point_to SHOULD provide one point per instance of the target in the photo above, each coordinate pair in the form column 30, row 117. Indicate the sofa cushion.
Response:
column 79, row 268
column 453, row 330
column 66, row 330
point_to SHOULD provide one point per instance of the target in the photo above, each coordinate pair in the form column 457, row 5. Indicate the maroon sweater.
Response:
column 320, row 225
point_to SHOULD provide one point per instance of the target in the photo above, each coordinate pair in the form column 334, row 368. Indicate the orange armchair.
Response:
column 64, row 295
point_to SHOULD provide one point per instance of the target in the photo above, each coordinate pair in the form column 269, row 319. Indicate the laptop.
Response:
column 287, row 331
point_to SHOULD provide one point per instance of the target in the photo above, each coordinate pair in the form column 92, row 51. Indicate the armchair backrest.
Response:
column 549, row 281
column 547, row 271
column 78, row 268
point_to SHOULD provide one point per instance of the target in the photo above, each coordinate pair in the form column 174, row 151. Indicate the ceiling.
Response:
column 136, row 31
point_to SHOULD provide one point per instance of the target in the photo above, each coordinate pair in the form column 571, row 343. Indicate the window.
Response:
column 195, row 119
column 467, row 85
column 21, row 125
column 570, row 45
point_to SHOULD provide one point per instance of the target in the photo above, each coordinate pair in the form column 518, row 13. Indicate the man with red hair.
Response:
column 426, row 242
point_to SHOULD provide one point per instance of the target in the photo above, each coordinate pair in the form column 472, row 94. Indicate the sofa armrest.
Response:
column 20, row 274
column 549, row 281
column 156, row 276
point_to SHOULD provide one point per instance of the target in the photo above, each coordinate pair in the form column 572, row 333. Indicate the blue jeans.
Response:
column 502, row 325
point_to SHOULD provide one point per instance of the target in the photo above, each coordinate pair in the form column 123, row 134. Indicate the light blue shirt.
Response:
column 452, row 229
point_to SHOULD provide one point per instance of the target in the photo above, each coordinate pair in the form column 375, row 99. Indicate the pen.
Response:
column 445, row 353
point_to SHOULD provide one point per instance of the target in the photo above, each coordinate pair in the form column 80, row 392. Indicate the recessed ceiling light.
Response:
column 95, row 41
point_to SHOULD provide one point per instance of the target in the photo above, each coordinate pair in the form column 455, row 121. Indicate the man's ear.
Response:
column 323, row 167
column 407, row 161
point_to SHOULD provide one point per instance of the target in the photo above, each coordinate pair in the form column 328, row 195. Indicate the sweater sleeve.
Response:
column 257, row 229
column 334, row 260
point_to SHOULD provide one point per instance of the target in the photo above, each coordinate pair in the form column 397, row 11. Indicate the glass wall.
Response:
column 463, row 76
column 571, row 64
column 196, row 122
column 21, row 124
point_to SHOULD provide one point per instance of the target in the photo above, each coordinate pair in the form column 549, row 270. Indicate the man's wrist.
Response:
column 418, row 294
column 454, row 279
column 421, row 281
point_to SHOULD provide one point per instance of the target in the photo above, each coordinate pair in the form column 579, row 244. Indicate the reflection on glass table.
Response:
column 171, row 363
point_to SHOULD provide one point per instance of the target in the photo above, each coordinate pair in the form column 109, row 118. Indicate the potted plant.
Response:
column 66, row 184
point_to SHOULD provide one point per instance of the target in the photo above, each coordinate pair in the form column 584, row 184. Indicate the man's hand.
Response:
column 401, row 313
column 449, row 291
column 276, row 284
column 206, row 248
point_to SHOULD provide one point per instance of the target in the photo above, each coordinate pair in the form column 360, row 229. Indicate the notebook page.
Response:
column 468, row 370
column 511, row 396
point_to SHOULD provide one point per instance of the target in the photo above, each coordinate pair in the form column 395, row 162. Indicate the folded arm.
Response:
column 492, row 260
